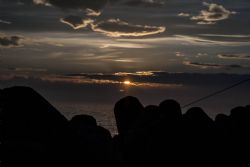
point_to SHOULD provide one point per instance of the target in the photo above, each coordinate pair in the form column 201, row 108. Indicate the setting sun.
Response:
column 127, row 82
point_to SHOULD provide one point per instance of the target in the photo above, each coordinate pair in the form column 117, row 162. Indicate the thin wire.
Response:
column 216, row 93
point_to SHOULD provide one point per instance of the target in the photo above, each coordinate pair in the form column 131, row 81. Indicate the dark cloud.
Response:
column 4, row 22
column 234, row 56
column 26, row 70
column 19, row 2
column 138, row 79
column 202, row 65
column 162, row 77
column 74, row 4
column 93, row 7
column 145, row 3
column 213, row 14
column 118, row 28
column 210, row 65
column 235, row 66
column 11, row 41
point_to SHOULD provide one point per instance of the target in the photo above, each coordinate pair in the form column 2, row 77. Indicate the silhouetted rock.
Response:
column 32, row 130
column 85, row 125
column 1, row 130
column 198, row 125
column 198, row 118
column 223, row 142
column 170, row 110
column 91, row 141
column 239, row 135
column 127, row 112
column 248, row 107
column 34, row 133
column 222, row 119
column 222, row 123
column 83, row 121
column 199, row 135
column 26, row 114
column 240, row 119
column 149, row 116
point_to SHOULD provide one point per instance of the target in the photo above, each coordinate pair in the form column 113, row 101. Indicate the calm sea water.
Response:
column 103, row 113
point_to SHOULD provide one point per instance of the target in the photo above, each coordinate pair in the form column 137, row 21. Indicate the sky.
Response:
column 90, row 53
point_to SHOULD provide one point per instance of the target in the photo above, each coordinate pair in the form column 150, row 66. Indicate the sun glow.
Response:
column 127, row 82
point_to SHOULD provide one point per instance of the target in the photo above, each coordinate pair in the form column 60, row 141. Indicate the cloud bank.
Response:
column 210, row 65
column 234, row 56
column 95, row 5
column 144, row 3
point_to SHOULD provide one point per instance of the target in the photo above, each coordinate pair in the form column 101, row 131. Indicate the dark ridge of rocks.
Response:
column 33, row 133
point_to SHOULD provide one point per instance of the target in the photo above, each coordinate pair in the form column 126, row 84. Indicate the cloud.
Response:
column 145, row 3
column 184, row 40
column 213, row 14
column 4, row 22
column 137, row 79
column 126, row 60
column 76, row 22
column 27, row 69
column 137, row 73
column 179, row 54
column 18, row 2
column 140, row 77
column 235, row 66
column 112, row 81
column 126, row 45
column 10, row 41
column 226, row 35
column 90, row 12
column 197, row 40
column 184, row 14
column 210, row 65
column 206, row 22
column 112, row 27
column 202, row 65
column 118, row 28
column 234, row 56
column 164, row 78
column 201, row 54
column 95, row 5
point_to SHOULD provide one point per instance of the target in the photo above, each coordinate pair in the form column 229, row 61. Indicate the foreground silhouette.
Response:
column 34, row 133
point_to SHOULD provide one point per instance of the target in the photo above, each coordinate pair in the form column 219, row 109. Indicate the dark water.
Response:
column 103, row 113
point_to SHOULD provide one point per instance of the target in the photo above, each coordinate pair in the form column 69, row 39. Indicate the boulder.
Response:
column 127, row 113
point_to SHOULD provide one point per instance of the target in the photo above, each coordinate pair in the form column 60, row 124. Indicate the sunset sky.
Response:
column 96, row 51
